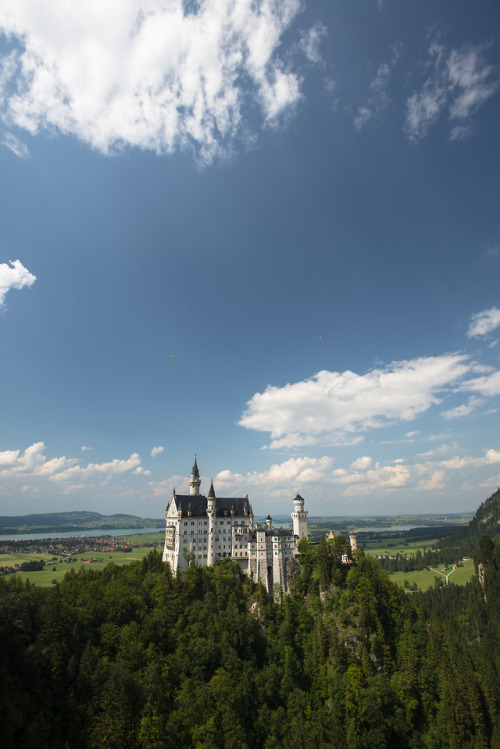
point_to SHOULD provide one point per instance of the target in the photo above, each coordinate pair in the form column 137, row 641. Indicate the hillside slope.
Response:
column 486, row 520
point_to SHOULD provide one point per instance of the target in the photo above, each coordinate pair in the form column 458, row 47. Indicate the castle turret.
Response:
column 211, row 507
column 353, row 540
column 299, row 517
column 194, row 481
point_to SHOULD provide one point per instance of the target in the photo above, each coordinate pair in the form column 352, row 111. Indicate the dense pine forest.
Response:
column 134, row 657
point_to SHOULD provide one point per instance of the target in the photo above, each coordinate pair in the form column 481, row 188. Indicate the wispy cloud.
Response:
column 483, row 323
column 465, row 409
column 379, row 98
column 17, row 147
column 310, row 41
column 459, row 82
column 332, row 406
column 14, row 276
column 159, row 76
column 157, row 451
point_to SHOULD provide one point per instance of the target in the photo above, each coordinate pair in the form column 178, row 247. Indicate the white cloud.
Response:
column 33, row 463
column 310, row 41
column 330, row 405
column 157, row 451
column 85, row 448
column 379, row 99
column 291, row 473
column 488, row 385
column 484, row 322
column 362, row 463
column 14, row 276
column 429, row 472
column 465, row 409
column 148, row 73
column 17, row 147
column 115, row 466
column 459, row 82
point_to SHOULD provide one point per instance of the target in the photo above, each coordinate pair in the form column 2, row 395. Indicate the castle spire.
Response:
column 194, row 481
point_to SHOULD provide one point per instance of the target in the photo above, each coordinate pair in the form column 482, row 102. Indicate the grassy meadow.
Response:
column 397, row 545
column 425, row 579
column 55, row 570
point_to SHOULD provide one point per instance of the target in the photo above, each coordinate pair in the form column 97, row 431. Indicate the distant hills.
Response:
column 53, row 522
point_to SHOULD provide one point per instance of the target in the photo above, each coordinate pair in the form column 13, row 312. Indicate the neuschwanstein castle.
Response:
column 201, row 530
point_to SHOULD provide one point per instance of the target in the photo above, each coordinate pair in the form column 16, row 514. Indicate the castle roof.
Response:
column 194, row 471
column 195, row 505
column 283, row 532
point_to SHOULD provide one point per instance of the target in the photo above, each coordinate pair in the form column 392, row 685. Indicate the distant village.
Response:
column 68, row 550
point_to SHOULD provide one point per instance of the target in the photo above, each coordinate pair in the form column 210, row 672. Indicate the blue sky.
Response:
column 265, row 233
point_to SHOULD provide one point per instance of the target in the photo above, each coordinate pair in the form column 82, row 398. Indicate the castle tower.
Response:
column 211, row 525
column 353, row 540
column 194, row 481
column 299, row 517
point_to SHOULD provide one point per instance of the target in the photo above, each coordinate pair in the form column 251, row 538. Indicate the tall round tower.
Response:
column 299, row 517
column 194, row 481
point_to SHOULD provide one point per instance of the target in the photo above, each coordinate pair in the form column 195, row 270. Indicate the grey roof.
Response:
column 283, row 532
column 195, row 505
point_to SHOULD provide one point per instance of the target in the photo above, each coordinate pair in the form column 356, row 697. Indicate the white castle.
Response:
column 201, row 530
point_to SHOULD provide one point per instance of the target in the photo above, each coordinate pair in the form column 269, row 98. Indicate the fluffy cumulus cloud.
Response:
column 32, row 463
column 14, row 275
column 484, row 322
column 157, row 451
column 458, row 83
column 429, row 472
column 424, row 474
column 331, row 407
column 279, row 479
column 155, row 74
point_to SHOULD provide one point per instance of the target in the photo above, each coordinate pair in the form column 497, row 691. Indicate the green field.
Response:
column 397, row 545
column 56, row 570
column 427, row 578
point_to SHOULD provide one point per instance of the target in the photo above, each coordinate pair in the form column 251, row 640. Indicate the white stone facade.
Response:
column 201, row 530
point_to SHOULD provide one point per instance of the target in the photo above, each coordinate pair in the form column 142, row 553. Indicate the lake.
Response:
column 79, row 534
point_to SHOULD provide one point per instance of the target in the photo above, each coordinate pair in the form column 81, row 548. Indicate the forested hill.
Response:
column 485, row 521
column 52, row 522
column 135, row 657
